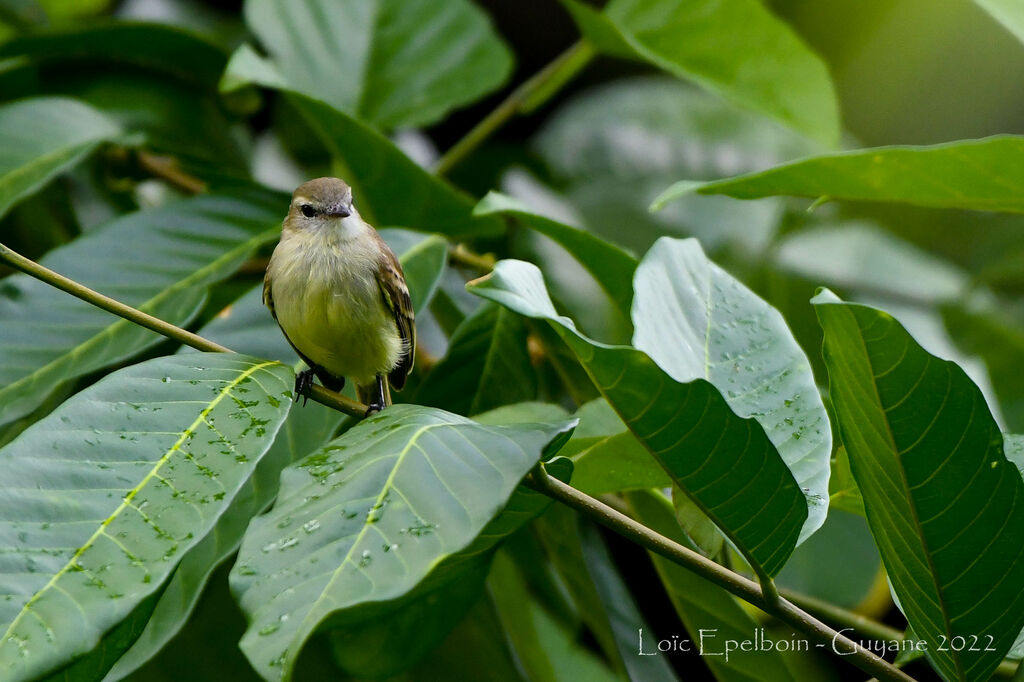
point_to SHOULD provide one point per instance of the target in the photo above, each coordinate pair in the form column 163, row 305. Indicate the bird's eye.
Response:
column 308, row 210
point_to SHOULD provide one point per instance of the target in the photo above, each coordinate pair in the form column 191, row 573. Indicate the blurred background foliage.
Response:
column 905, row 71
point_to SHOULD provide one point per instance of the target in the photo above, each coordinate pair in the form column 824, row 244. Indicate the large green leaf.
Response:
column 386, row 637
column 387, row 62
column 698, row 322
column 725, row 462
column 161, row 260
column 487, row 365
column 389, row 188
column 1009, row 13
column 943, row 502
column 42, row 137
column 367, row 518
column 614, row 148
column 103, row 498
column 607, row 457
column 705, row 607
column 735, row 48
column 984, row 175
column 248, row 327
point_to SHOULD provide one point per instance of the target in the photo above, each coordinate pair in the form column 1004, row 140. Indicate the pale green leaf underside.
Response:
column 1009, row 13
column 387, row 62
column 368, row 517
column 725, row 463
column 160, row 260
column 43, row 136
column 945, row 506
column 698, row 322
column 983, row 175
column 734, row 48
column 101, row 499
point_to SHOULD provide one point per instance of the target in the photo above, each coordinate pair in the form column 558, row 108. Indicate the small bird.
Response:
column 339, row 295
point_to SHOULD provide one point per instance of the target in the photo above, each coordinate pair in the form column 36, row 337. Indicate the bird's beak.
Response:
column 340, row 211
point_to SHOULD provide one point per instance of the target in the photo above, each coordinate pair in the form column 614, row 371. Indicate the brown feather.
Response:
column 393, row 288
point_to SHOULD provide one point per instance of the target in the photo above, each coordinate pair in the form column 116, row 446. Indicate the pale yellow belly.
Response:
column 335, row 315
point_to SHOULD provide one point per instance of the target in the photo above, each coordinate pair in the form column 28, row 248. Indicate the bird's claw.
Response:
column 303, row 384
column 373, row 408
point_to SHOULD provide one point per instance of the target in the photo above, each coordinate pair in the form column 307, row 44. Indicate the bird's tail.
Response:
column 366, row 394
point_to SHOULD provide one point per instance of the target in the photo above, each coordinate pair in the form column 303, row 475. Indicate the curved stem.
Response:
column 41, row 272
column 738, row 585
column 525, row 98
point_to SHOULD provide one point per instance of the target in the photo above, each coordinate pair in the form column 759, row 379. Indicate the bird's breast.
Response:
column 329, row 304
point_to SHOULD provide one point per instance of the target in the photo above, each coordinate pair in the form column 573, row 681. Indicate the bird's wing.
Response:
column 268, row 298
column 392, row 284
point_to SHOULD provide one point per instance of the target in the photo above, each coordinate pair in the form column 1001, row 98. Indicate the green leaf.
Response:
column 170, row 50
column 247, row 327
column 698, row 322
column 606, row 455
column 42, row 137
column 703, row 605
column 610, row 266
column 386, row 62
column 734, row 48
column 388, row 186
column 843, row 492
column 542, row 646
column 487, row 365
column 368, row 517
column 616, row 147
column 942, row 500
column 688, row 427
column 865, row 258
column 1009, row 13
column 701, row 531
column 983, row 175
column 371, row 637
column 163, row 448
column 622, row 612
column 49, row 337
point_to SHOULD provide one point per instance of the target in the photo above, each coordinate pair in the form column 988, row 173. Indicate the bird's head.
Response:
column 320, row 203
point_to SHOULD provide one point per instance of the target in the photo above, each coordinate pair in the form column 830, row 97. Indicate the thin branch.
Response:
column 169, row 170
column 881, row 632
column 525, row 98
column 40, row 272
column 460, row 254
column 742, row 587
column 839, row 616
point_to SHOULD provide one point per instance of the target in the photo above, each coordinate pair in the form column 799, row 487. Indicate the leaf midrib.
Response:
column 943, row 607
column 385, row 489
column 125, row 502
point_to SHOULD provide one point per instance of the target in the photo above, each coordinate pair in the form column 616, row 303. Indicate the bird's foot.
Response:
column 303, row 384
column 374, row 408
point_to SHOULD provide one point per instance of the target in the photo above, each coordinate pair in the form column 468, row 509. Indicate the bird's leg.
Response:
column 303, row 382
column 378, row 398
